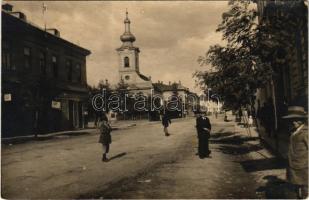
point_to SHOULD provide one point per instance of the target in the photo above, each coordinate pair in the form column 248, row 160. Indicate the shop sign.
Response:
column 56, row 104
column 7, row 97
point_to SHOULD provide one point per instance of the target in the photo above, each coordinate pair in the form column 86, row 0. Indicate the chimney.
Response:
column 20, row 15
column 179, row 82
column 53, row 31
column 7, row 7
column 149, row 77
column 169, row 83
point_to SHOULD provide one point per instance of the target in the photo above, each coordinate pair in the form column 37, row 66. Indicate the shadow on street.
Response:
column 263, row 164
column 276, row 188
column 118, row 156
column 239, row 150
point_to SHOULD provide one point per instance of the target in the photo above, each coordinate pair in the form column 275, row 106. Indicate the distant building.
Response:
column 210, row 105
column 188, row 101
column 44, row 84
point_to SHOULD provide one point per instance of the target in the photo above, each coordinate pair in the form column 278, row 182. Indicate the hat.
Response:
column 295, row 112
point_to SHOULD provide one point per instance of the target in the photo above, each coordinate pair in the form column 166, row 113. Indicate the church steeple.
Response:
column 127, row 37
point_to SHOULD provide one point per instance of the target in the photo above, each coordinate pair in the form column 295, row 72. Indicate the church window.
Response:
column 127, row 77
column 126, row 62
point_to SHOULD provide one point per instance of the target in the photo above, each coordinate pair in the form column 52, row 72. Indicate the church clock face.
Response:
column 127, row 77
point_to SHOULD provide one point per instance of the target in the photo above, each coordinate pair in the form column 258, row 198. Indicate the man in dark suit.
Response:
column 203, row 127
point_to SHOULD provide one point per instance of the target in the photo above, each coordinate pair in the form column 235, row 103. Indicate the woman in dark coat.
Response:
column 105, row 137
column 165, row 122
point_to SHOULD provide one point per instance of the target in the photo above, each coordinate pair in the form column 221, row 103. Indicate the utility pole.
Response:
column 44, row 9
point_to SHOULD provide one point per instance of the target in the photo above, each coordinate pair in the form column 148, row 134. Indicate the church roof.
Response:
column 143, row 77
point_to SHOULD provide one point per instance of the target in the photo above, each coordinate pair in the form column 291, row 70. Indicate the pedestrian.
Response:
column 297, row 171
column 105, row 136
column 203, row 127
column 165, row 122
column 250, row 121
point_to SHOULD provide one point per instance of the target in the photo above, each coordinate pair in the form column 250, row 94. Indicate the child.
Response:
column 105, row 137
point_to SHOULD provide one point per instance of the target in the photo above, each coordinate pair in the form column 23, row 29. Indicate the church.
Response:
column 129, row 74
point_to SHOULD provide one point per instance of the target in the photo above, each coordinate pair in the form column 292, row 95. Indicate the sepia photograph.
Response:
column 154, row 99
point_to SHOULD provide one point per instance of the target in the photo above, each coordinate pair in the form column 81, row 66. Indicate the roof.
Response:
column 175, row 86
column 143, row 77
column 37, row 28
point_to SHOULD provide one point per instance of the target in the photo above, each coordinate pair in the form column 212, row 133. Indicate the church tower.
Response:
column 128, row 55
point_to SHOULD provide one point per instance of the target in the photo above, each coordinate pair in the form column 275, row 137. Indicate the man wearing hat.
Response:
column 203, row 127
column 297, row 171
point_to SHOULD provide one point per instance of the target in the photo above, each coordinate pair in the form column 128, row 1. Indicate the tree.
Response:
column 103, row 88
column 239, row 69
column 123, row 92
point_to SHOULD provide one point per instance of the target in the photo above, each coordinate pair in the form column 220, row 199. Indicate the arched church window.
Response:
column 126, row 62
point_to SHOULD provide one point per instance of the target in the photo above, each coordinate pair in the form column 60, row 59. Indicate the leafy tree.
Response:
column 103, row 87
column 239, row 69
column 255, row 50
column 123, row 92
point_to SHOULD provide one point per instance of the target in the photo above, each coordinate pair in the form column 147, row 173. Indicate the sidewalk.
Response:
column 268, row 168
column 65, row 134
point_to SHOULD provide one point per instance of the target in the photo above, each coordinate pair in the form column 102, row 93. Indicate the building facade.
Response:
column 289, row 85
column 44, row 83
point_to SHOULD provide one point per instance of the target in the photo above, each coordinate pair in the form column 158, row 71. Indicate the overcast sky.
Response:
column 171, row 35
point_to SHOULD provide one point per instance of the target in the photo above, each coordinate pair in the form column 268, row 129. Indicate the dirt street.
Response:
column 143, row 164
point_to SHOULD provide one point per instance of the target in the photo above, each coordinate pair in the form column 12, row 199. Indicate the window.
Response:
column 27, row 57
column 127, row 77
column 126, row 62
column 6, row 56
column 6, row 60
column 68, row 65
column 42, row 63
column 55, row 66
column 78, row 73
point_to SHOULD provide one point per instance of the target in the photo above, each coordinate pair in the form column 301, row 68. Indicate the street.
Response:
column 143, row 164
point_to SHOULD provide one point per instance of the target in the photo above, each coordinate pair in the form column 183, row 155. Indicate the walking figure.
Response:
column 165, row 122
column 297, row 171
column 203, row 127
column 105, row 137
